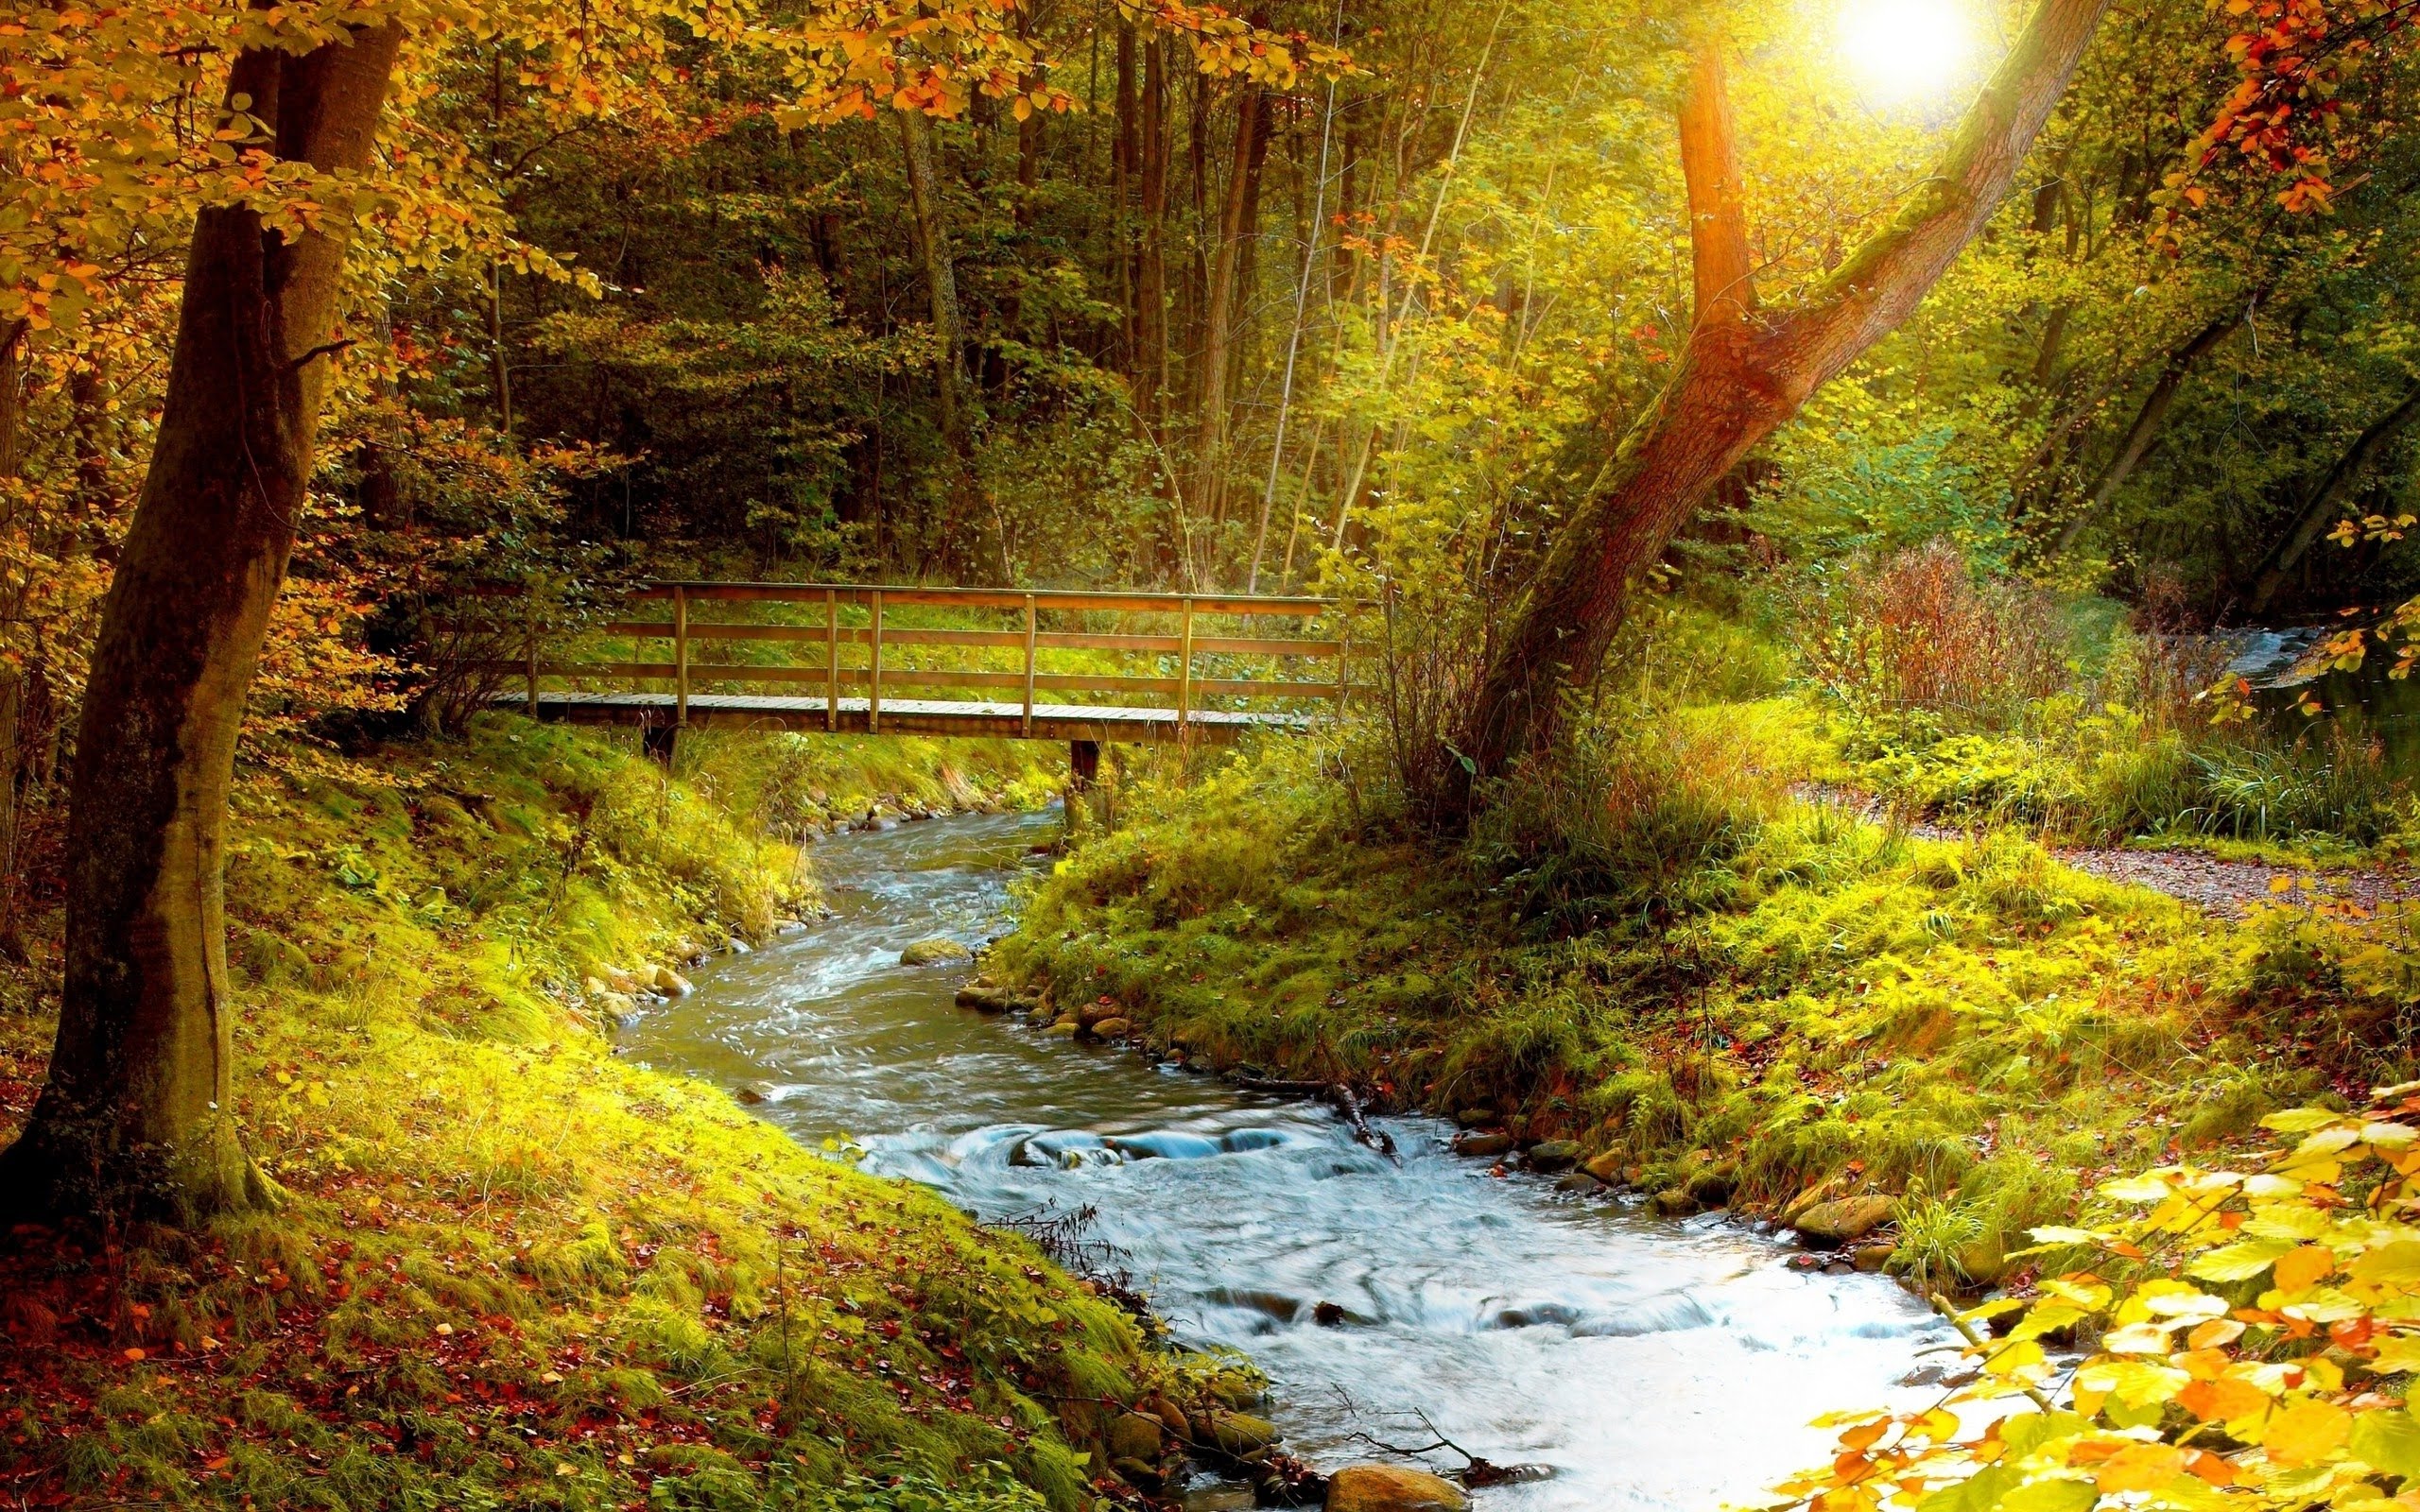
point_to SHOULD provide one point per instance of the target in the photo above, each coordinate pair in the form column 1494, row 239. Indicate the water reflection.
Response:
column 1650, row 1364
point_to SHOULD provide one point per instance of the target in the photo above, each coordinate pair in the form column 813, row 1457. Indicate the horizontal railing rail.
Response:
column 713, row 651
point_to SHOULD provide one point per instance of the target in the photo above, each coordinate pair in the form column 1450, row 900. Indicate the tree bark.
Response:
column 941, row 278
column 2313, row 517
column 1152, row 276
column 136, row 1115
column 1123, row 152
column 1743, row 375
column 2136, row 443
column 1210, row 492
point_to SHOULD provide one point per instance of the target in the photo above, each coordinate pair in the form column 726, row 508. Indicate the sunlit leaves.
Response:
column 2248, row 1330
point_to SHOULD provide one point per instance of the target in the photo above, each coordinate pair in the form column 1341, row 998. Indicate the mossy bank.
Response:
column 1721, row 995
column 509, row 1270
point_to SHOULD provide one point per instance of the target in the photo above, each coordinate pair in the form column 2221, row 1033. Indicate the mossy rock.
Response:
column 1391, row 1489
column 1844, row 1219
column 935, row 953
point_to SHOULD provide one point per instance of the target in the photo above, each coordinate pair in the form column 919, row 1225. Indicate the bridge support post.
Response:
column 657, row 741
column 1087, row 800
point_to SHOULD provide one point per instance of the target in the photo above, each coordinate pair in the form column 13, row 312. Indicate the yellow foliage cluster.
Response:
column 2256, row 1333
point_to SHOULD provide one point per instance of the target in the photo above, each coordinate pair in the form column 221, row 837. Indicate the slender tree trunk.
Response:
column 1293, row 351
column 1743, row 373
column 137, row 1112
column 1220, row 308
column 941, row 278
column 1152, row 281
column 2136, row 443
column 2313, row 517
column 1122, row 164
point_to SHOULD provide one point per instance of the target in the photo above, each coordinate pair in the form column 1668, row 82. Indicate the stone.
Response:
column 617, row 1008
column 1606, row 1167
column 1712, row 1186
column 1065, row 1030
column 1475, row 1117
column 594, row 987
column 1136, row 1436
column 1634, row 1175
column 1579, row 1181
column 1675, row 1202
column 934, row 953
column 1042, row 1012
column 1138, row 1473
column 1872, row 1258
column 1240, row 1433
column 1112, row 1028
column 1844, row 1219
column 1391, row 1489
column 1171, row 1416
column 1095, row 1011
column 753, row 1093
column 670, row 983
column 1483, row 1145
column 1553, row 1154
column 623, row 982
column 984, row 999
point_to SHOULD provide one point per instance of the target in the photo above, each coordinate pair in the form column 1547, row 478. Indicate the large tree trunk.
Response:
column 136, row 1115
column 1242, row 195
column 1123, row 154
column 1744, row 373
column 2313, row 517
column 2136, row 443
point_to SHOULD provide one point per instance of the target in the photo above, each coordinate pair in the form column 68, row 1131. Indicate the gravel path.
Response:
column 2227, row 888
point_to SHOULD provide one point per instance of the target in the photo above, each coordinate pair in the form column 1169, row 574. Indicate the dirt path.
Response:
column 2227, row 888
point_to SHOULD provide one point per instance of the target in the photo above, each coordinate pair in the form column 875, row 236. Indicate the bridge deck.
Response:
column 906, row 717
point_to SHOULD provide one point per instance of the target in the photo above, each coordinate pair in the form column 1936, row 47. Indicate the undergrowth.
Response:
column 1736, row 997
column 509, row 1270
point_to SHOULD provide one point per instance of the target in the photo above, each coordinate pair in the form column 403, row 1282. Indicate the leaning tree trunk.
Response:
column 1743, row 375
column 2135, row 443
column 136, row 1116
column 2316, row 510
column 1220, row 306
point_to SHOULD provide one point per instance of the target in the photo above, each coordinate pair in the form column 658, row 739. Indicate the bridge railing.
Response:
column 853, row 646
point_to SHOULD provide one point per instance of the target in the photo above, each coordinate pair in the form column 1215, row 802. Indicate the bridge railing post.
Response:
column 1184, row 667
column 680, row 656
column 874, row 671
column 1026, row 727
column 529, row 644
column 832, row 660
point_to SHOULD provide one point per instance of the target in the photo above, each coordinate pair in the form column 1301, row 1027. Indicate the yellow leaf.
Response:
column 2306, row 1433
column 2306, row 1267
column 2141, row 1468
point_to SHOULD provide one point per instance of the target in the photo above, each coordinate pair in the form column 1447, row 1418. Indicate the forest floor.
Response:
column 2227, row 888
column 1723, row 995
column 510, row 1269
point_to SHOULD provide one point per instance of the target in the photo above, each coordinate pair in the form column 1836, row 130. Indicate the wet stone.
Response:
column 1483, row 1145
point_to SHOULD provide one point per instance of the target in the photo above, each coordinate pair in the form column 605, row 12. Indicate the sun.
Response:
column 1908, row 51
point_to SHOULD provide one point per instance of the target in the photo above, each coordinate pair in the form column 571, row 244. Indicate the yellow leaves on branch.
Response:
column 2251, row 1333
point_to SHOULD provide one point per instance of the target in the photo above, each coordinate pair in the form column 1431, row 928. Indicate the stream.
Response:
column 1646, row 1364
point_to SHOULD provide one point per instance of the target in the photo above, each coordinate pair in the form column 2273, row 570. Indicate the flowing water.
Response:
column 1648, row 1364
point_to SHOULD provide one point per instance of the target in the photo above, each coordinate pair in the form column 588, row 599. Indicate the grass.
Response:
column 1728, row 993
column 510, row 1269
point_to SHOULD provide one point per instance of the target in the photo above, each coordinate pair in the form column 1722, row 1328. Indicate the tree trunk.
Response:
column 941, row 280
column 1152, row 281
column 2324, row 500
column 1123, row 154
column 136, row 1115
column 2136, row 443
column 1210, row 493
column 1743, row 375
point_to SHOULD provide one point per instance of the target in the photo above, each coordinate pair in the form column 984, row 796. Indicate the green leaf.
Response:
column 2238, row 1261
column 2062, row 1495
column 2387, row 1440
column 1980, row 1492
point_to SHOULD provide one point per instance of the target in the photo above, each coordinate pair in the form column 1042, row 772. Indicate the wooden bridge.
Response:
column 1082, row 667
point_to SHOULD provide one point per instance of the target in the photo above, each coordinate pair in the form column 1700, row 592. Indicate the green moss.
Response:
column 1661, row 953
column 510, row 1268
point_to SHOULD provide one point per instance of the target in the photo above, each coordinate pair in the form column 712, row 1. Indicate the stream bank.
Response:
column 1645, row 1363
